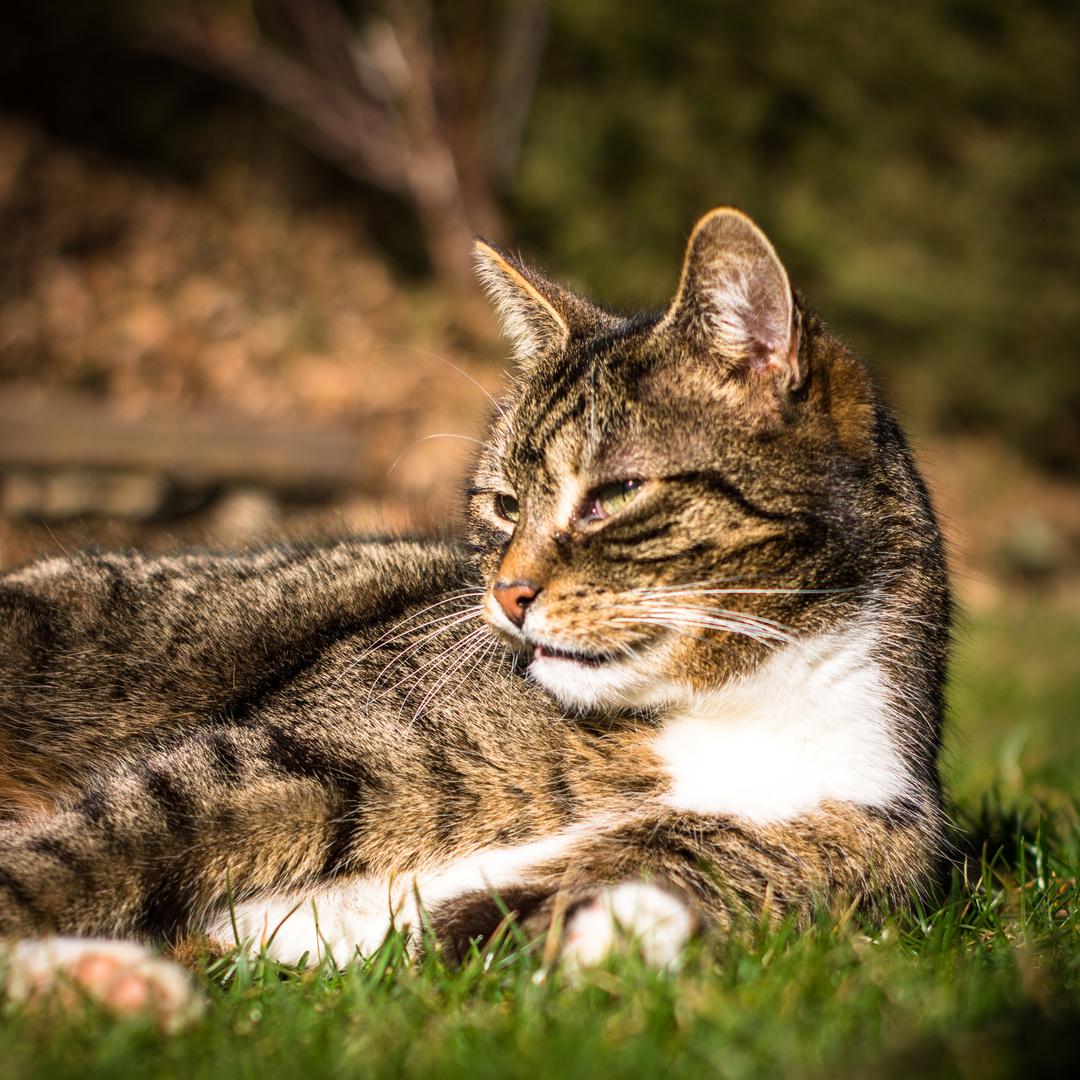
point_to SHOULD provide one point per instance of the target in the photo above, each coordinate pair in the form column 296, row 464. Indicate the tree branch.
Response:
column 517, row 67
column 368, row 100
column 353, row 131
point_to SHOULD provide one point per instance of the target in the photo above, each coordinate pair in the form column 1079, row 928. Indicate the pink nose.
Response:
column 514, row 598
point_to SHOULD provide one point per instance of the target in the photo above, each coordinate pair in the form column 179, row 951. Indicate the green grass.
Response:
column 986, row 986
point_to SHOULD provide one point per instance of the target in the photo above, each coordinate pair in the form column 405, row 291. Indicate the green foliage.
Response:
column 986, row 985
column 917, row 165
column 1015, row 701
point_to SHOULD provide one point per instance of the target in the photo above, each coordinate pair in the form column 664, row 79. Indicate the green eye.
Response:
column 507, row 507
column 611, row 498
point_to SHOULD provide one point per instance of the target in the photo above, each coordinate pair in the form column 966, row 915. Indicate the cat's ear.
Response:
column 528, row 305
column 735, row 301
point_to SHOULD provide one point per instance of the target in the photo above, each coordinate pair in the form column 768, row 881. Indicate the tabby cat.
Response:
column 686, row 667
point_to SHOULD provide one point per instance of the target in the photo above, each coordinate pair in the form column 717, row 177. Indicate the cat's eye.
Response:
column 507, row 507
column 610, row 499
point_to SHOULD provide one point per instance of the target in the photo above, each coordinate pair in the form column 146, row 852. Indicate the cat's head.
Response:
column 664, row 500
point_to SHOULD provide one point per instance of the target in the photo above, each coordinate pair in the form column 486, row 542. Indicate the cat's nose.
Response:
column 514, row 598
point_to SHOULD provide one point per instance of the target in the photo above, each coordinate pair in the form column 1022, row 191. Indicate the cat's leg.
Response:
column 123, row 978
column 159, row 847
column 655, row 880
column 152, row 851
column 581, row 925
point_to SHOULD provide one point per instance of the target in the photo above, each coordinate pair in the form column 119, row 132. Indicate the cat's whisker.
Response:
column 450, row 622
column 721, row 613
column 763, row 630
column 621, row 646
column 447, row 617
column 433, row 662
column 746, row 627
column 481, row 651
column 748, row 592
column 727, row 613
column 442, row 360
column 389, row 635
column 413, row 648
column 669, row 591
column 466, row 649
column 403, row 629
column 438, row 435
column 680, row 626
column 452, row 619
column 706, row 583
column 722, row 645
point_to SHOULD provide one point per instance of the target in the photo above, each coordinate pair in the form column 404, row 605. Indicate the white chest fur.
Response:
column 811, row 724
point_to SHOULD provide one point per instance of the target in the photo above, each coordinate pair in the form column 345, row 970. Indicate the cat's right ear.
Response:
column 528, row 305
column 735, row 309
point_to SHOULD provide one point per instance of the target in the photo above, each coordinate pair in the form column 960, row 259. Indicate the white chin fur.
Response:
column 620, row 683
column 614, row 684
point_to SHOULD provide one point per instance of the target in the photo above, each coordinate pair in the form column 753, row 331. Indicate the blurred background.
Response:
column 235, row 287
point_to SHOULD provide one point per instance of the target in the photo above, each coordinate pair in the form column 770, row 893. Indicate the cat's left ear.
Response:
column 735, row 302
column 528, row 305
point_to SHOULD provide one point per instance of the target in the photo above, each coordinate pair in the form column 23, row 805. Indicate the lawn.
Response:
column 985, row 986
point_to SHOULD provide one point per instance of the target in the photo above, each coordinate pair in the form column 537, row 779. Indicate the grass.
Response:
column 985, row 986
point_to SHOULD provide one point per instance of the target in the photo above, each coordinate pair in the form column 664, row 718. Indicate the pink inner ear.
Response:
column 771, row 349
column 793, row 353
column 735, row 292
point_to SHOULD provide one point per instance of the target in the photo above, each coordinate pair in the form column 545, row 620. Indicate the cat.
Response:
column 686, row 667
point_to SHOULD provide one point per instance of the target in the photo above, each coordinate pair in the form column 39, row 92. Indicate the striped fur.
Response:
column 726, row 681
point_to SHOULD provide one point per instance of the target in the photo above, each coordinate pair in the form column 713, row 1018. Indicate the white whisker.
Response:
column 470, row 639
column 482, row 651
column 414, row 647
column 765, row 631
column 442, row 360
column 452, row 619
column 439, row 435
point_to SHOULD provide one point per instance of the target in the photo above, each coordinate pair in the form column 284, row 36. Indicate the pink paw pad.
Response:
column 121, row 977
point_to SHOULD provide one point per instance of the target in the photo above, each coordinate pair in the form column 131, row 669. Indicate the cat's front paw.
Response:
column 628, row 917
column 121, row 977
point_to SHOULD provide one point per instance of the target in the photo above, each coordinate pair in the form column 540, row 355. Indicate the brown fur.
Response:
column 175, row 731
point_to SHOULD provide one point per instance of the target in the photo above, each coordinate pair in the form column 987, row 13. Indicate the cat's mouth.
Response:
column 547, row 652
column 590, row 679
